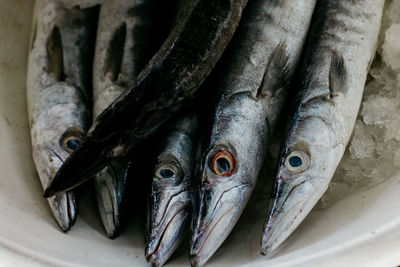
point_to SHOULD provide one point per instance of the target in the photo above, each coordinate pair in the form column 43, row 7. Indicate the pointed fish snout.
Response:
column 215, row 220
column 289, row 205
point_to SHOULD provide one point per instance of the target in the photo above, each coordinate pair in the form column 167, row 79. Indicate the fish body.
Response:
column 58, row 93
column 340, row 48
column 123, row 47
column 257, row 74
column 169, row 79
column 170, row 200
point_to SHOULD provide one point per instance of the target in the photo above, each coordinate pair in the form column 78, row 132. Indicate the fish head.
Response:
column 169, row 208
column 228, row 174
column 308, row 160
column 57, row 130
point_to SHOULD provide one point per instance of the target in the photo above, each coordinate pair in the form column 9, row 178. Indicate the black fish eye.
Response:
column 73, row 143
column 223, row 165
column 166, row 173
column 295, row 161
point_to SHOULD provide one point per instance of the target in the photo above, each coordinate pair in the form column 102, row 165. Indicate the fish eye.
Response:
column 297, row 161
column 223, row 163
column 71, row 140
column 167, row 171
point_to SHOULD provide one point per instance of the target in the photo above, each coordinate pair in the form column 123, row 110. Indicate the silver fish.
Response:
column 58, row 92
column 256, row 78
column 339, row 50
column 170, row 200
column 122, row 50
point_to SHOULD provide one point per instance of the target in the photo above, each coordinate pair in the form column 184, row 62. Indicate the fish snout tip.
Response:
column 153, row 256
column 265, row 250
column 49, row 192
column 153, row 259
column 196, row 261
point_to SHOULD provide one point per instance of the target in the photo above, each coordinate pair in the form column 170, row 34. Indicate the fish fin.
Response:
column 115, row 53
column 337, row 75
column 277, row 73
column 55, row 57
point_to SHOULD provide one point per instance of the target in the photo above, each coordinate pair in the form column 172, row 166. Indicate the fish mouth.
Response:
column 289, row 206
column 110, row 192
column 166, row 237
column 108, row 207
column 215, row 225
column 64, row 208
column 62, row 205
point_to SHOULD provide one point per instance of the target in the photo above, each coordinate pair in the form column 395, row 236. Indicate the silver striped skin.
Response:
column 341, row 46
column 122, row 39
column 256, row 77
column 170, row 199
column 57, row 93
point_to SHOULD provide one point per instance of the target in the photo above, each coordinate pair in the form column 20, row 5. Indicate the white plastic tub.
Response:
column 361, row 230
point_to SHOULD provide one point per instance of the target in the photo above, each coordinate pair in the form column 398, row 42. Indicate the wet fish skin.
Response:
column 58, row 93
column 170, row 78
column 256, row 78
column 340, row 48
column 123, row 47
column 170, row 200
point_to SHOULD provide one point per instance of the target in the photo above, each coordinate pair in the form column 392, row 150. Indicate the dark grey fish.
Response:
column 167, row 82
column 126, row 40
column 58, row 94
column 340, row 47
column 255, row 80
column 170, row 200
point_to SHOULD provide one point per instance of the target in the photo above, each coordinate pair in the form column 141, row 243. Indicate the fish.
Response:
column 167, row 82
column 58, row 93
column 257, row 73
column 170, row 199
column 123, row 47
column 340, row 48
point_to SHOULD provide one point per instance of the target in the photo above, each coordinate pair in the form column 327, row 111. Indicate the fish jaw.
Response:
column 110, row 187
column 289, row 205
column 166, row 225
column 215, row 220
column 63, row 205
column 64, row 208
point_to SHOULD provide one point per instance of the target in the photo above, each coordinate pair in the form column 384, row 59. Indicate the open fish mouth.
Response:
column 164, row 236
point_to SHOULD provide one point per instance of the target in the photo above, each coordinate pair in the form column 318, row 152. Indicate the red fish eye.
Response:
column 223, row 163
